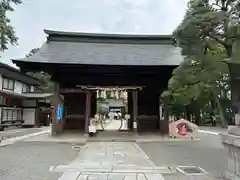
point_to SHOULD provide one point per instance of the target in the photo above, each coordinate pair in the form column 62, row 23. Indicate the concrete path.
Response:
column 111, row 161
column 11, row 136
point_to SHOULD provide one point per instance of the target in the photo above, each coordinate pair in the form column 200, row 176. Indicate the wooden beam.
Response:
column 72, row 90
column 110, row 88
column 135, row 104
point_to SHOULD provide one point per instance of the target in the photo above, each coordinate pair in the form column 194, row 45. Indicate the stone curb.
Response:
column 83, row 142
column 59, row 142
column 165, row 140
column 208, row 132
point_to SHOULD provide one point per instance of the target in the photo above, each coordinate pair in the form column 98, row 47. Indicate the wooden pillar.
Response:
column 87, row 111
column 130, row 110
column 55, row 101
column 37, row 115
column 135, row 106
column 164, row 123
column 93, row 103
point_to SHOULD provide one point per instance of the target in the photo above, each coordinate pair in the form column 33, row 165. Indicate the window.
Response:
column 12, row 114
column 8, row 84
column 2, row 100
column 26, row 88
column 33, row 88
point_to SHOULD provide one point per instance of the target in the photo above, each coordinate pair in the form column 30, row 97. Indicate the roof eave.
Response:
column 35, row 80
column 105, row 35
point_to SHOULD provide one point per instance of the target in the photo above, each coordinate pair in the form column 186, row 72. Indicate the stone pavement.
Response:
column 12, row 136
column 31, row 161
column 17, row 132
column 116, row 161
column 109, row 160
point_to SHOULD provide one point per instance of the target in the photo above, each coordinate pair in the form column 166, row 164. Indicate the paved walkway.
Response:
column 111, row 161
column 11, row 136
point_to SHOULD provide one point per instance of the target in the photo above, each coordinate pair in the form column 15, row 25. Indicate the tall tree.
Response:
column 207, row 21
column 7, row 33
column 206, row 36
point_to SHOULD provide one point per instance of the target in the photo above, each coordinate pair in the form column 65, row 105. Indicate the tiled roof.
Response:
column 69, row 50
column 27, row 95
column 9, row 71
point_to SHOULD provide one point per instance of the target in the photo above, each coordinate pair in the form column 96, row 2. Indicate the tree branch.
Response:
column 216, row 39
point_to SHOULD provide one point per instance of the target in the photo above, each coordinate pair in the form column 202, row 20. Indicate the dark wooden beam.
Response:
column 72, row 90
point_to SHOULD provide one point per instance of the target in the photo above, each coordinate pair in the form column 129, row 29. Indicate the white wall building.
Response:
column 18, row 101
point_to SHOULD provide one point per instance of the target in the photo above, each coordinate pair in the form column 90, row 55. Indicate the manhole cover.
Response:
column 191, row 170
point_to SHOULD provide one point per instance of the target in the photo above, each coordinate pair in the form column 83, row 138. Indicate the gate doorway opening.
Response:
column 112, row 110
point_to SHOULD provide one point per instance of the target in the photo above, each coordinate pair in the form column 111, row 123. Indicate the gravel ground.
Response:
column 208, row 153
column 31, row 161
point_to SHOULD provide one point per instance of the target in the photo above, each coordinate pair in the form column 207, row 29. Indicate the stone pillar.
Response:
column 87, row 111
column 231, row 143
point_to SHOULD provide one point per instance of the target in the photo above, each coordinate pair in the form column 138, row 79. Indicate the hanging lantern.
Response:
column 105, row 94
column 98, row 94
column 102, row 94
column 121, row 94
column 125, row 94
column 117, row 95
column 112, row 94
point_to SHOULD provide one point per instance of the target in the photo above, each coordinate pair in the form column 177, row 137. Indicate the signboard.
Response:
column 60, row 112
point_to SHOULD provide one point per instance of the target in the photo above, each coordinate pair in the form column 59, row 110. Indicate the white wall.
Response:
column 18, row 87
column 29, row 116
column 1, row 81
column 32, row 89
column 0, row 114
column 29, row 113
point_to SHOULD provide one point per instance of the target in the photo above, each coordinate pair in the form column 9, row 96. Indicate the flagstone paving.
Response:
column 112, row 161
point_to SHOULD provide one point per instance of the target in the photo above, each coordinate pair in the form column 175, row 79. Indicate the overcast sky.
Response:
column 103, row 16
